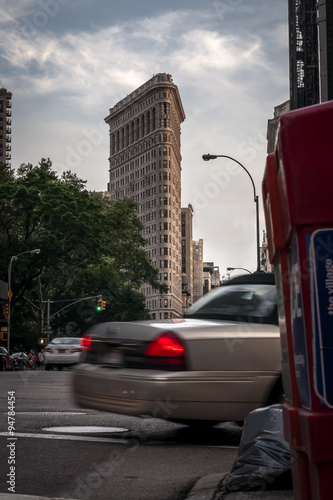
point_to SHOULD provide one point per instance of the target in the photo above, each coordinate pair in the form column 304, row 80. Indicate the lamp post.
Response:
column 256, row 198
column 10, row 293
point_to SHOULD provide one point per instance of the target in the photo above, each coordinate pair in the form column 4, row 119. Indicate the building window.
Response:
column 165, row 275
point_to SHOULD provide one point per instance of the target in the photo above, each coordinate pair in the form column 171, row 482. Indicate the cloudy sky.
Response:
column 68, row 61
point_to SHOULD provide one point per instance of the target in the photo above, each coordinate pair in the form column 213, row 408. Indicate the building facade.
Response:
column 211, row 276
column 145, row 165
column 303, row 53
column 187, row 255
column 198, row 280
column 325, row 42
column 5, row 126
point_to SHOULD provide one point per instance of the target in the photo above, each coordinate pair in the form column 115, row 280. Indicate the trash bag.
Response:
column 263, row 460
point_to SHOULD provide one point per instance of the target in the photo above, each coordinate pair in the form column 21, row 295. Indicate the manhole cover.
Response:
column 85, row 429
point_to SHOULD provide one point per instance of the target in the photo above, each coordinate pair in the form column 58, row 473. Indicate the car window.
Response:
column 246, row 303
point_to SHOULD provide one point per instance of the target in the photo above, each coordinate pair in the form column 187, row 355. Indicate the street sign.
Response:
column 10, row 293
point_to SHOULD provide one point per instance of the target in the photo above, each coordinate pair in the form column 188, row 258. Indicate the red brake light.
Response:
column 167, row 345
column 85, row 343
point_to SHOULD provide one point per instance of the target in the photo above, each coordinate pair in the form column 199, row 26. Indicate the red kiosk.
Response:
column 298, row 203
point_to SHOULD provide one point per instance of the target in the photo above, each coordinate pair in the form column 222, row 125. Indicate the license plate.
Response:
column 61, row 351
column 114, row 358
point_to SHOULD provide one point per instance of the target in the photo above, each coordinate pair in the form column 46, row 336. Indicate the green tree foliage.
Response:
column 88, row 245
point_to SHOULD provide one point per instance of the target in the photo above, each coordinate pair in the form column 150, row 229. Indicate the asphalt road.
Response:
column 137, row 458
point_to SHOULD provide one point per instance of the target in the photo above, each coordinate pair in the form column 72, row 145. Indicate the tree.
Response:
column 84, row 240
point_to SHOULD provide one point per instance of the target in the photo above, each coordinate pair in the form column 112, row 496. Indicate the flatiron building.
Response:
column 145, row 165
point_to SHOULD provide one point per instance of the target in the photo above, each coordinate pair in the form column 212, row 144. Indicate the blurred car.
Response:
column 22, row 362
column 64, row 351
column 6, row 362
column 218, row 363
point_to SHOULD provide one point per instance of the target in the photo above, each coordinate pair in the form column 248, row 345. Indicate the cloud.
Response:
column 66, row 71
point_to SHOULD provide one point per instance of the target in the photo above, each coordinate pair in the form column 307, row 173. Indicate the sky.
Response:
column 67, row 62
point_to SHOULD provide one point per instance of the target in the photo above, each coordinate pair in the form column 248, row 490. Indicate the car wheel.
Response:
column 47, row 367
column 3, row 366
column 60, row 367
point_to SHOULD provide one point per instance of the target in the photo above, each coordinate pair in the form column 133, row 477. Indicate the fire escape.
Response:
column 303, row 46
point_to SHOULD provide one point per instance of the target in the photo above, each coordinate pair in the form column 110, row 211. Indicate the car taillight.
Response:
column 77, row 349
column 48, row 349
column 85, row 343
column 166, row 350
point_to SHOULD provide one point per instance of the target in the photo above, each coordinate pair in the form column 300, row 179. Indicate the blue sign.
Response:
column 321, row 285
column 298, row 327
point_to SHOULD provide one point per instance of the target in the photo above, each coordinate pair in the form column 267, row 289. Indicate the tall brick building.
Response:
column 145, row 165
column 5, row 126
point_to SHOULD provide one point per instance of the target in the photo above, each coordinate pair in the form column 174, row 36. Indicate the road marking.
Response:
column 68, row 437
column 85, row 429
column 49, row 413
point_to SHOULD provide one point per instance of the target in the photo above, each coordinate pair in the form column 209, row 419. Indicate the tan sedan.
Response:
column 218, row 363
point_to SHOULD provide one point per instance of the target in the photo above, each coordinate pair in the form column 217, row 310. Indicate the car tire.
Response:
column 60, row 367
column 47, row 367
column 3, row 366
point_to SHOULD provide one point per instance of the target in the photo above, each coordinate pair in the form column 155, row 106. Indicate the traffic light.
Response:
column 99, row 304
column 103, row 305
column 3, row 335
column 5, row 309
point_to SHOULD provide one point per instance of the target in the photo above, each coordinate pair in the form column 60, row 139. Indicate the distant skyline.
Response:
column 68, row 61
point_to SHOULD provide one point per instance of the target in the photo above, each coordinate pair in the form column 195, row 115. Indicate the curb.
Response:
column 208, row 487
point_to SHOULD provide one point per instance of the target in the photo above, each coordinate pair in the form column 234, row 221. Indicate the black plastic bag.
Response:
column 263, row 460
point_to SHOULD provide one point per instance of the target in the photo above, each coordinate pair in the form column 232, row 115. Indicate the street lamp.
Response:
column 256, row 198
column 10, row 293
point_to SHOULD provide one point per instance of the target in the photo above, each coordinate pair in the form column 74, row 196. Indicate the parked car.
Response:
column 22, row 362
column 218, row 363
column 64, row 351
column 6, row 362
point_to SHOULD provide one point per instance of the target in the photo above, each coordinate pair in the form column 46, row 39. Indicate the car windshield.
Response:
column 246, row 303
column 66, row 340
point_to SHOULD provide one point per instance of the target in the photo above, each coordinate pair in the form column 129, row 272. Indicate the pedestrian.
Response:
column 32, row 358
column 41, row 359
